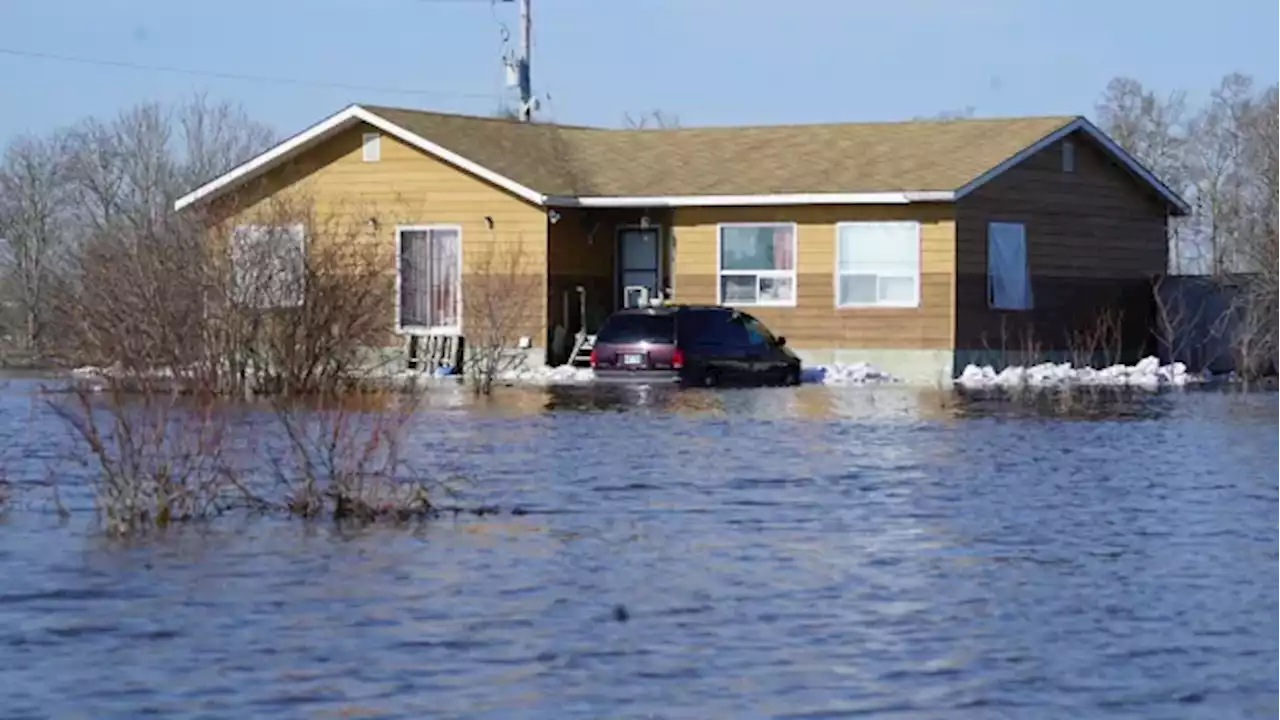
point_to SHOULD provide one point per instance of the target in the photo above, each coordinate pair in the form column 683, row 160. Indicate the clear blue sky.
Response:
column 708, row 61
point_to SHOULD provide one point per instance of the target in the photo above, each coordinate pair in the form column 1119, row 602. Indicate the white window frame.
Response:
column 300, row 230
column 913, row 303
column 1026, row 257
column 792, row 273
column 371, row 147
column 454, row 331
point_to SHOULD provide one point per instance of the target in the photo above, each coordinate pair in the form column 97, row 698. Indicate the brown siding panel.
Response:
column 1095, row 237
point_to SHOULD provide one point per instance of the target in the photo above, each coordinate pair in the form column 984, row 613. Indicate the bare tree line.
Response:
column 1221, row 156
column 98, row 197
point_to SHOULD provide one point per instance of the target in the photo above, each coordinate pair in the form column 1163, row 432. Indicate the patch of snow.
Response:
column 560, row 375
column 841, row 374
column 94, row 371
column 89, row 371
column 1148, row 373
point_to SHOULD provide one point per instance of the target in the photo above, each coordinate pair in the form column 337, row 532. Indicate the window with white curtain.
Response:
column 268, row 266
column 1008, row 273
column 429, row 274
column 757, row 264
column 878, row 264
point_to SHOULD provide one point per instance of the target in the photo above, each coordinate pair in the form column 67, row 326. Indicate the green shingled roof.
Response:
column 820, row 158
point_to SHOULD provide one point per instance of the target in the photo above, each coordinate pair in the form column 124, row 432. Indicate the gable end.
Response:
column 328, row 128
column 1175, row 204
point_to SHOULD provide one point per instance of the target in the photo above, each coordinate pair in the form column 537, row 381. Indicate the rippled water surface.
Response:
column 776, row 553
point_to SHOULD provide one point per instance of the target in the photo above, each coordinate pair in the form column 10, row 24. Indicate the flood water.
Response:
column 787, row 553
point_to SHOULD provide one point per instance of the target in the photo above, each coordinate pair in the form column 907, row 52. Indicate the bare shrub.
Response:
column 345, row 458
column 132, row 298
column 1252, row 317
column 1177, row 321
column 155, row 458
column 1099, row 342
column 1018, row 346
column 296, row 302
column 285, row 302
column 501, row 302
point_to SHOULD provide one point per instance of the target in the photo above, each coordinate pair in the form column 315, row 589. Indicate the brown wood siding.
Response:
column 349, row 199
column 1094, row 238
column 815, row 322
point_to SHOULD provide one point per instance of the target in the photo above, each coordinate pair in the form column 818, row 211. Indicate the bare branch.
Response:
column 651, row 120
column 500, row 305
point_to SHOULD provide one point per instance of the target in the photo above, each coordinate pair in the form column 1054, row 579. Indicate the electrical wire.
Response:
column 249, row 78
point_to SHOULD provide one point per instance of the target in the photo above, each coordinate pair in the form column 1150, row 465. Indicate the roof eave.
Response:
column 758, row 200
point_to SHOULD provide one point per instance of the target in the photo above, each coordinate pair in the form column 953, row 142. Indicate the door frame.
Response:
column 617, row 257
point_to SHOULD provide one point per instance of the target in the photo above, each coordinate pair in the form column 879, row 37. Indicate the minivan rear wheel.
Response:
column 709, row 378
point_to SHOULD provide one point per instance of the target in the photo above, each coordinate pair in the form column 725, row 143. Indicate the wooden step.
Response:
column 581, row 355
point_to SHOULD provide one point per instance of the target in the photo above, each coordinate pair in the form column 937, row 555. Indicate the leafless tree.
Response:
column 651, row 120
column 501, row 303
column 33, row 207
column 213, row 137
column 67, row 198
column 965, row 113
column 1154, row 129
column 1219, row 171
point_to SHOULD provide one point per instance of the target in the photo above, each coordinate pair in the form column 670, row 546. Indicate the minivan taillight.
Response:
column 593, row 357
column 677, row 358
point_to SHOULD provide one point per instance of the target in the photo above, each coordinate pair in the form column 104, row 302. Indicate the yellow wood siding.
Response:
column 1094, row 238
column 815, row 322
column 352, row 198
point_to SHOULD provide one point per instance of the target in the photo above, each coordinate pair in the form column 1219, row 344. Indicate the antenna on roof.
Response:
column 518, row 69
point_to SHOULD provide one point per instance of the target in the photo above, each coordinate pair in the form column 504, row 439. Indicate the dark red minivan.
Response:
column 697, row 345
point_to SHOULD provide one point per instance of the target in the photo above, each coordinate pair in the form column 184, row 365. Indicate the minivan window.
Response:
column 711, row 327
column 638, row 327
column 757, row 333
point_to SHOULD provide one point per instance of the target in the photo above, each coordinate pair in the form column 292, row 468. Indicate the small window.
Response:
column 1008, row 273
column 1068, row 156
column 757, row 264
column 268, row 266
column 371, row 150
column 878, row 264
